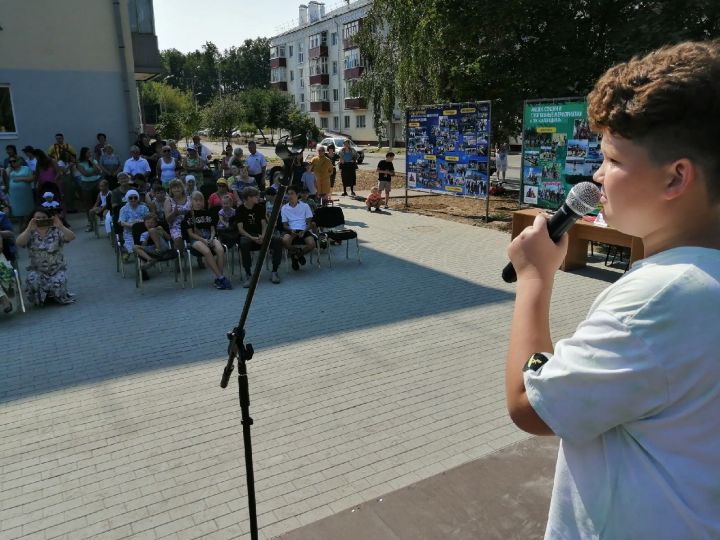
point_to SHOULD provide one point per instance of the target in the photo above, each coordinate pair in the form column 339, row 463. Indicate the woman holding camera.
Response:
column 46, row 278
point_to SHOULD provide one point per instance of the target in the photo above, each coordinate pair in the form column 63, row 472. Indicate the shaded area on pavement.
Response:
column 501, row 496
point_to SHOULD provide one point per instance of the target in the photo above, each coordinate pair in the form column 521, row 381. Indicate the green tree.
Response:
column 246, row 67
column 257, row 109
column 223, row 114
column 279, row 107
column 429, row 51
column 299, row 123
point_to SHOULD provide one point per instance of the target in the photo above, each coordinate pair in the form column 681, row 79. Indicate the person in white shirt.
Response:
column 634, row 394
column 256, row 165
column 296, row 217
column 136, row 164
column 202, row 150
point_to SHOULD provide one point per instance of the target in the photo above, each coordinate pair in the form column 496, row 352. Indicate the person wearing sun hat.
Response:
column 133, row 212
column 216, row 198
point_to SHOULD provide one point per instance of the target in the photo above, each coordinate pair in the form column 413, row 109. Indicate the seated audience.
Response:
column 227, row 234
column 155, row 200
column 177, row 206
column 251, row 224
column 154, row 244
column 216, row 198
column 102, row 203
column 7, row 280
column 201, row 237
column 296, row 220
column 46, row 277
column 240, row 180
column 136, row 164
column 133, row 212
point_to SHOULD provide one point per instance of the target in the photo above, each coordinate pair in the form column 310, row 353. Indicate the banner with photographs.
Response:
column 558, row 151
column 448, row 148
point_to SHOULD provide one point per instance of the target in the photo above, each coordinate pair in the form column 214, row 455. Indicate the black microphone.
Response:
column 583, row 198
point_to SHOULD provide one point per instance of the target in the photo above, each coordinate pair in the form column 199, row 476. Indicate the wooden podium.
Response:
column 579, row 235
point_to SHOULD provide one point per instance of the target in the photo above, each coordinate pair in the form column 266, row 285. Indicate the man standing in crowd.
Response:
column 202, row 150
column 136, row 164
column 57, row 150
column 256, row 165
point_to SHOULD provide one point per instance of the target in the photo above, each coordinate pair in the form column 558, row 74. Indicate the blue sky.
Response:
column 187, row 24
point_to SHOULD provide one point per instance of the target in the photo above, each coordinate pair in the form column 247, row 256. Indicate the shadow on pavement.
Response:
column 114, row 330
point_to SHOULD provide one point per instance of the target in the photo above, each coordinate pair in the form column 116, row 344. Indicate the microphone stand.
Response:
column 237, row 348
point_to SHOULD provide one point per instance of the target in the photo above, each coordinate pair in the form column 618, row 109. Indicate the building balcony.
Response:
column 355, row 103
column 323, row 78
column 146, row 56
column 278, row 63
column 319, row 106
column 279, row 85
column 353, row 73
column 349, row 43
column 318, row 52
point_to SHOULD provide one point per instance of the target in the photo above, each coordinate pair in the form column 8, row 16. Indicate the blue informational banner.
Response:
column 448, row 148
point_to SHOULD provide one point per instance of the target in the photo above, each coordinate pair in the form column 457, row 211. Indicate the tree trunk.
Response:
column 261, row 134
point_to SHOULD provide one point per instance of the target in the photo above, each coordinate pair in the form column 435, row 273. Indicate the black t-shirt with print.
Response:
column 385, row 165
column 251, row 219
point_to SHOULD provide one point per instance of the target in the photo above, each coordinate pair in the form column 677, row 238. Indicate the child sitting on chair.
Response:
column 373, row 200
column 154, row 244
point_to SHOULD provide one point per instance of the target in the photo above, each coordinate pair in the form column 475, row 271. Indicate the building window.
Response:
column 300, row 76
column 360, row 121
column 334, row 38
column 336, row 122
column 350, row 29
column 318, row 93
column 301, row 54
column 292, row 75
column 335, row 94
column 348, row 89
column 347, row 122
column 277, row 51
column 318, row 40
column 324, row 122
column 334, row 67
column 353, row 59
column 302, row 98
column 318, row 66
column 302, row 107
column 290, row 51
column 7, row 116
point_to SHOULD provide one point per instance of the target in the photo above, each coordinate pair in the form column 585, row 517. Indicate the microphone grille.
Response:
column 583, row 198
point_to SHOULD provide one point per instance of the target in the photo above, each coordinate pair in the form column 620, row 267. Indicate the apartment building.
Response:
column 71, row 66
column 317, row 61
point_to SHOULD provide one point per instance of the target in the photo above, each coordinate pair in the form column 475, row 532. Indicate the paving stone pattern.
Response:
column 367, row 378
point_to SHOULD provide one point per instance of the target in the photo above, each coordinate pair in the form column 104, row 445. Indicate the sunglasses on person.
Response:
column 133, row 198
column 12, row 161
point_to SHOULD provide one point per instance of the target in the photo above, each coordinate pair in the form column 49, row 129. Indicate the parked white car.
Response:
column 339, row 141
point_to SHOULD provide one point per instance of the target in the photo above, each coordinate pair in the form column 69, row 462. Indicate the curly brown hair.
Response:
column 667, row 101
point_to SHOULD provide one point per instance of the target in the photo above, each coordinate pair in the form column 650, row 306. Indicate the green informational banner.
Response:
column 559, row 150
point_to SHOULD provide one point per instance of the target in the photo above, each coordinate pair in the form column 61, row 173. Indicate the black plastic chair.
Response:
column 331, row 223
column 137, row 230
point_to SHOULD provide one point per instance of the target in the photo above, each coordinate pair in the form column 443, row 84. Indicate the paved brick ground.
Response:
column 113, row 425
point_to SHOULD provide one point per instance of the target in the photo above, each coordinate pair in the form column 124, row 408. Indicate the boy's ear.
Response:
column 682, row 174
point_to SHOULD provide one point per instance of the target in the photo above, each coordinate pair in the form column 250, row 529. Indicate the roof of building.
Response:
column 345, row 7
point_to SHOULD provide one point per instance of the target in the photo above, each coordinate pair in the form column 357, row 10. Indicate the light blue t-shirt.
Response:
column 634, row 396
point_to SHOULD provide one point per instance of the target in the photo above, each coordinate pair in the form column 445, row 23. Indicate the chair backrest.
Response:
column 329, row 217
column 137, row 230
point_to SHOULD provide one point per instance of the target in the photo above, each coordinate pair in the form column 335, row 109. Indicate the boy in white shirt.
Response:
column 296, row 218
column 634, row 393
